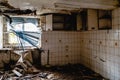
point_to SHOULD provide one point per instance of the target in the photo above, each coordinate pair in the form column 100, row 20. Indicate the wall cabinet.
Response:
column 58, row 22
column 92, row 19
column 104, row 19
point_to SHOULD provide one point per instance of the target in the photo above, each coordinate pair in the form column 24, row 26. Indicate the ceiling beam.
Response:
column 85, row 5
column 94, row 4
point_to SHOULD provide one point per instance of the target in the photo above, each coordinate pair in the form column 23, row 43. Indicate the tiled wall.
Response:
column 100, row 52
column 98, row 49
column 63, row 47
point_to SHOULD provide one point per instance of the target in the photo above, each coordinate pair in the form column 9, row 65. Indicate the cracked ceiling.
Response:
column 53, row 6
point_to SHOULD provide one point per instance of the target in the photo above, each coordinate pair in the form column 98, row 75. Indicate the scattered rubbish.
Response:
column 50, row 76
column 66, row 72
column 17, row 73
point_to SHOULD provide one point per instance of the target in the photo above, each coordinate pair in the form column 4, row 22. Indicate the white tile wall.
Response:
column 98, row 50
column 64, row 47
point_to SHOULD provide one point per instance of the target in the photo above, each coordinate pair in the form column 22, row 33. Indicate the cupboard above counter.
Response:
column 86, row 20
column 60, row 22
column 104, row 19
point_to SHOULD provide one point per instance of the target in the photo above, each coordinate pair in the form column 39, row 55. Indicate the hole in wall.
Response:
column 100, row 42
column 67, row 56
column 116, row 44
column 46, row 41
column 66, row 49
column 60, row 41
column 90, row 41
column 66, row 46
column 93, row 28
column 82, row 40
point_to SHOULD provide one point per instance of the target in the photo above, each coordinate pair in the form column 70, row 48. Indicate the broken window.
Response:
column 23, row 32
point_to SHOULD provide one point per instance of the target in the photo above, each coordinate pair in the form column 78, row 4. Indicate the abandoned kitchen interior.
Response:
column 59, row 39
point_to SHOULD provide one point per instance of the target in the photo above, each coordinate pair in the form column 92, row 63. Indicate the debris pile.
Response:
column 25, row 71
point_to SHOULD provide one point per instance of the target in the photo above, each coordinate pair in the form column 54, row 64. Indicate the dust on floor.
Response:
column 66, row 72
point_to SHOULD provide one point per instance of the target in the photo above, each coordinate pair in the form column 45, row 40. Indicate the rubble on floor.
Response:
column 25, row 71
